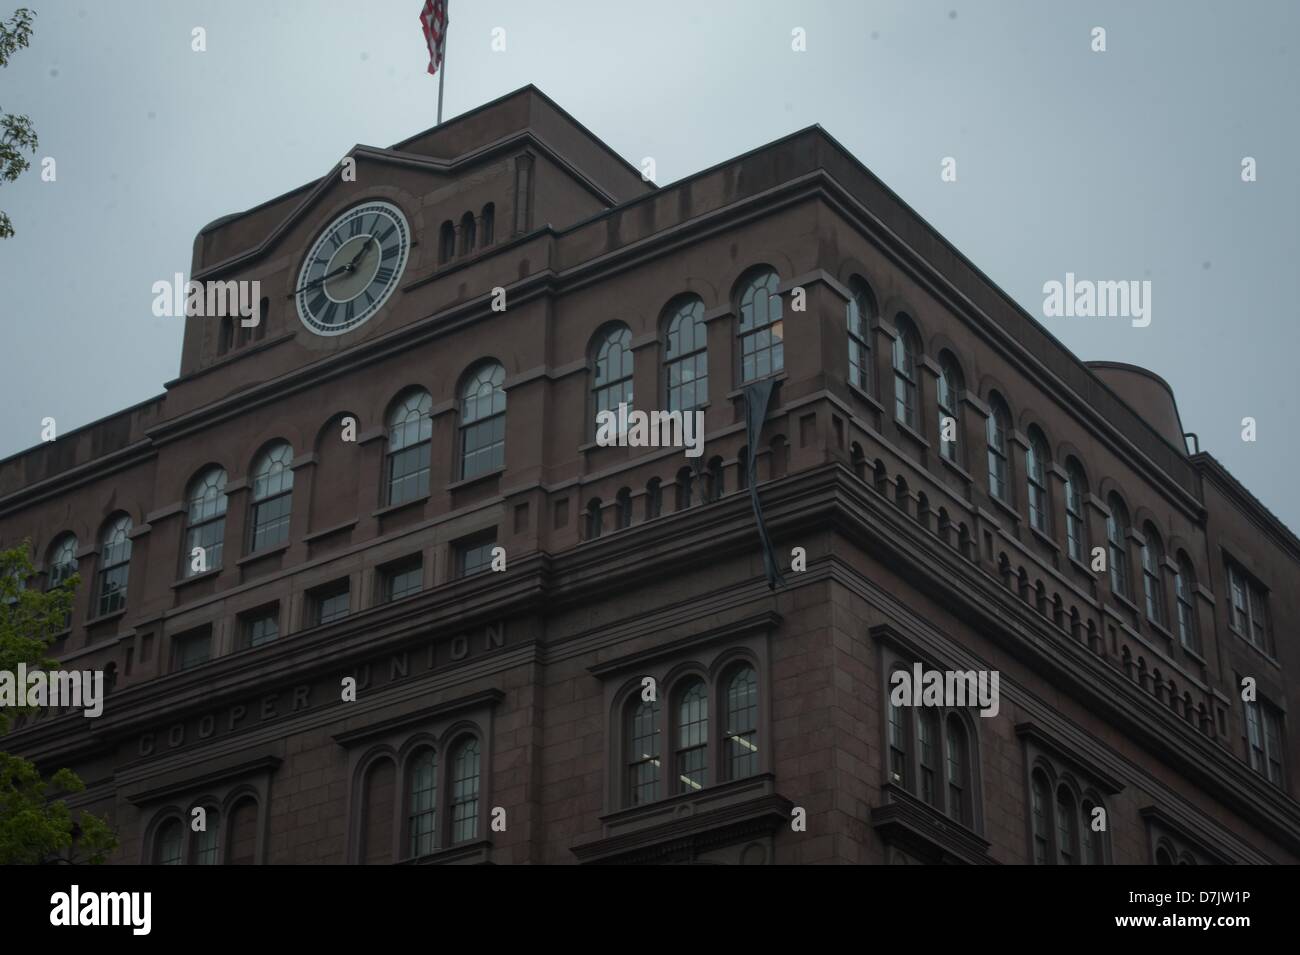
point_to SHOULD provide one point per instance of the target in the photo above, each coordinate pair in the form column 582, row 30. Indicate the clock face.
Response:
column 353, row 268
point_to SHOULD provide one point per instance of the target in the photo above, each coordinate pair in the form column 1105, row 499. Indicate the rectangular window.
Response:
column 402, row 579
column 261, row 626
column 475, row 556
column 408, row 473
column 191, row 649
column 271, row 521
column 1264, row 741
column 1248, row 612
column 331, row 602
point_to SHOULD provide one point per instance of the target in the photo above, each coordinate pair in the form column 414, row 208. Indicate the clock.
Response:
column 353, row 268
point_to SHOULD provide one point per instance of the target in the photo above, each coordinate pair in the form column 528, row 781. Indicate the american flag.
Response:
column 433, row 20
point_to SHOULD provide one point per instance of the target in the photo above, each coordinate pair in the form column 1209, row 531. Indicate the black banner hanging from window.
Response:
column 757, row 396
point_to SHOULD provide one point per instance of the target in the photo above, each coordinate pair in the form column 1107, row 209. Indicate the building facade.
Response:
column 368, row 590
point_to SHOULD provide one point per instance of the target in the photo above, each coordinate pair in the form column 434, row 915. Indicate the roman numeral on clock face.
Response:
column 383, row 274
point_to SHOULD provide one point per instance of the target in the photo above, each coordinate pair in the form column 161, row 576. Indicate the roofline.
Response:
column 85, row 427
column 398, row 147
column 1208, row 464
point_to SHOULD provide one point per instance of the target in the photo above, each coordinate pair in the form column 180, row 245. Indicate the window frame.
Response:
column 493, row 421
column 264, row 470
column 768, row 335
column 686, row 311
column 401, row 447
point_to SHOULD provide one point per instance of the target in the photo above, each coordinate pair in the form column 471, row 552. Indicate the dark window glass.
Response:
column 471, row 558
column 422, row 811
column 958, row 773
column 1066, row 841
column 611, row 383
column 410, row 433
column 1036, row 479
column 483, row 422
column 861, row 318
column 686, row 357
column 403, row 580
column 332, row 605
column 272, row 496
column 741, row 731
column 205, row 842
column 949, row 393
column 1039, row 813
column 692, row 737
column 904, row 361
column 1153, row 590
column 206, row 521
column 999, row 471
column 191, row 650
column 1076, row 537
column 762, row 330
column 928, row 733
column 1117, row 538
column 168, row 842
column 63, row 560
column 114, row 564
column 262, row 627
column 643, row 752
column 464, row 791
column 1183, row 584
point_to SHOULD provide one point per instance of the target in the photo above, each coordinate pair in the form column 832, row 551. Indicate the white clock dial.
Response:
column 353, row 268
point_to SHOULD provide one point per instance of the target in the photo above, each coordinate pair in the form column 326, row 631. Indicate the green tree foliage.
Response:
column 35, row 826
column 16, row 133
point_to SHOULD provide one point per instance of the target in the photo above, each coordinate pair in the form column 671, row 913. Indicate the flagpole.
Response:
column 442, row 67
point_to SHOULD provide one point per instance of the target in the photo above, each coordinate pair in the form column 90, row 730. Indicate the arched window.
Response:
column 114, row 564
column 1076, row 534
column 950, row 389
column 1163, row 856
column 741, row 731
column 761, row 331
column 1117, row 537
column 861, row 317
column 205, row 521
column 905, row 349
column 1036, row 480
column 1093, row 849
column 446, row 242
column 692, row 737
column 489, row 223
column 467, row 233
column 716, row 483
column 168, row 842
column 686, row 357
column 272, row 496
column 595, row 518
column 464, row 791
column 642, row 751
column 959, row 795
column 742, row 468
column 410, row 442
column 205, row 849
column 377, row 813
column 62, row 563
column 483, row 421
column 899, row 748
column 999, row 421
column 1184, row 584
column 611, row 382
column 1153, row 591
column 422, row 803
column 1067, row 836
column 1039, row 813
column 244, row 828
column 623, row 508
column 684, row 481
column 654, row 499
column 928, row 753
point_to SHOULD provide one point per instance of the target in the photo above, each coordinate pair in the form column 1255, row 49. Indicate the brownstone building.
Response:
column 567, row 652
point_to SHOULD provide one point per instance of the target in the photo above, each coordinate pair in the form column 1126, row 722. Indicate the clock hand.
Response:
column 329, row 275
column 365, row 247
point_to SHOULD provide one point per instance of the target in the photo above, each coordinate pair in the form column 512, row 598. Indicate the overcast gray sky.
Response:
column 1115, row 165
